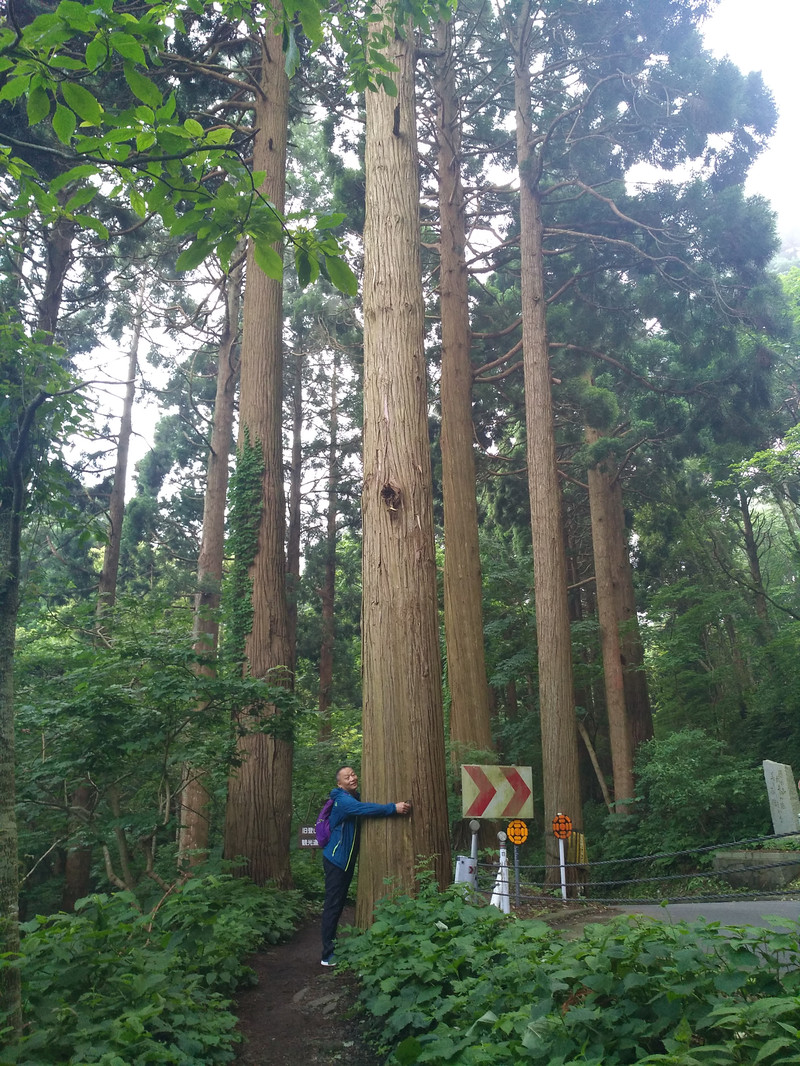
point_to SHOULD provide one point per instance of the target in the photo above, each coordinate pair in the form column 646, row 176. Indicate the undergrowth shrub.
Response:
column 113, row 985
column 691, row 795
column 452, row 983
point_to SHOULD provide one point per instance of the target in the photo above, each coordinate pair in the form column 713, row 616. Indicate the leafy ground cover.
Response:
column 116, row 984
column 449, row 982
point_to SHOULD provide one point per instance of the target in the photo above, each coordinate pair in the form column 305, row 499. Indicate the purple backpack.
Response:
column 322, row 828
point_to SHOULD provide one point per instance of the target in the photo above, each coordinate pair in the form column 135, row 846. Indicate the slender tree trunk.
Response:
column 193, row 834
column 561, row 777
column 404, row 754
column 754, row 564
column 107, row 590
column 295, row 518
column 790, row 519
column 58, row 256
column 329, row 580
column 470, row 727
column 637, row 696
column 78, row 861
column 258, row 813
column 607, row 583
column 10, row 525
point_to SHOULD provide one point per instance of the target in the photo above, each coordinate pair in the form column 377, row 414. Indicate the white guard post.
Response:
column 500, row 897
column 466, row 871
column 563, row 862
column 474, row 826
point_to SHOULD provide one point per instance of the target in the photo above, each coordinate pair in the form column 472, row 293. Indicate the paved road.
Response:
column 735, row 912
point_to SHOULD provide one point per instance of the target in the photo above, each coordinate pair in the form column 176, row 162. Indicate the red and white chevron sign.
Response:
column 497, row 791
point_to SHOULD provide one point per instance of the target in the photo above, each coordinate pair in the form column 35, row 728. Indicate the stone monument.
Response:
column 784, row 801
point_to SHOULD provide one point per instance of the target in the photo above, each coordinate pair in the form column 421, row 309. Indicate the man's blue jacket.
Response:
column 345, row 816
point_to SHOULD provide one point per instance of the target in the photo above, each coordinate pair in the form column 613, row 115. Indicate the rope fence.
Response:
column 529, row 883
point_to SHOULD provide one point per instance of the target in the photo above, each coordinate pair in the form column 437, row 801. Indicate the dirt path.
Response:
column 301, row 1014
column 298, row 1013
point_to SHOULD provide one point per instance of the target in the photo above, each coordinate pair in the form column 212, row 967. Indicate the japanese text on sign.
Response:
column 308, row 836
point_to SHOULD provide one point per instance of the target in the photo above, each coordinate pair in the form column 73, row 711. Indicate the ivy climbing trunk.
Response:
column 561, row 777
column 258, row 812
column 403, row 731
column 470, row 729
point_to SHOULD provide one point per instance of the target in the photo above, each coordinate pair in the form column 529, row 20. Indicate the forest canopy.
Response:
column 462, row 444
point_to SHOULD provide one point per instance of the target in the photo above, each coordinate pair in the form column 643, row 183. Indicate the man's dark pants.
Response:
column 337, row 883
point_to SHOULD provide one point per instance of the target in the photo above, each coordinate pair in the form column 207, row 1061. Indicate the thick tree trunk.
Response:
column 194, row 801
column 404, row 752
column 258, row 814
column 328, row 593
column 609, row 599
column 561, row 778
column 470, row 729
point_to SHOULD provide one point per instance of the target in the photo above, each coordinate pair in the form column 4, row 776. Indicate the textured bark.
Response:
column 609, row 599
column 258, row 813
column 561, row 778
column 404, row 757
column 328, row 591
column 463, row 607
column 194, row 800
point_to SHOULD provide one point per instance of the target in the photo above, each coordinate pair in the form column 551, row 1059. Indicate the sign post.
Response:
column 517, row 834
column 562, row 827
column 500, row 894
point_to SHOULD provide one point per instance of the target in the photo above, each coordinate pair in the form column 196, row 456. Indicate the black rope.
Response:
column 586, row 885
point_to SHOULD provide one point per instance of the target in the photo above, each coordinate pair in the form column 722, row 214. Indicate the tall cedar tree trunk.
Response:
column 607, row 583
column 637, row 696
column 404, row 751
column 328, row 592
column 295, row 522
column 463, row 608
column 560, row 768
column 258, row 813
column 194, row 801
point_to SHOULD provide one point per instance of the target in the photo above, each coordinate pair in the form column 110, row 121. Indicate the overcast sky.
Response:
column 765, row 35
